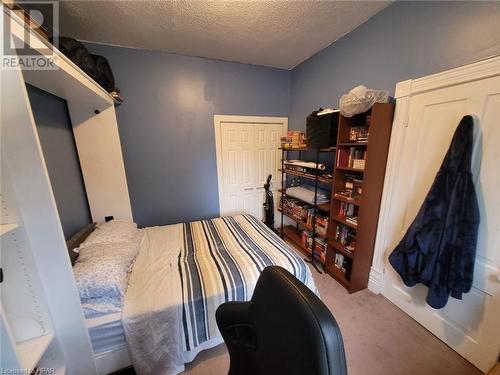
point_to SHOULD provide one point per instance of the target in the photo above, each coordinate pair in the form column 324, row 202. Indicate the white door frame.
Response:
column 249, row 120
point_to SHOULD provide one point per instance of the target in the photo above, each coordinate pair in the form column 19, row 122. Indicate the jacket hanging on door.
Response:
column 439, row 248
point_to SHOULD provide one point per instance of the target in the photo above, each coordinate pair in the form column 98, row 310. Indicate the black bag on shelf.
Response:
column 321, row 130
column 104, row 74
column 72, row 48
column 97, row 67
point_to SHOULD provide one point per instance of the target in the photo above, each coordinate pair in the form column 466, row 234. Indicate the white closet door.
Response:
column 238, row 171
column 247, row 152
column 267, row 162
column 470, row 326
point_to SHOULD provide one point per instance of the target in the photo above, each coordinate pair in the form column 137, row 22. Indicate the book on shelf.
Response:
column 353, row 183
column 346, row 209
column 344, row 264
column 353, row 157
column 320, row 244
column 304, row 213
column 360, row 133
column 345, row 236
column 349, row 212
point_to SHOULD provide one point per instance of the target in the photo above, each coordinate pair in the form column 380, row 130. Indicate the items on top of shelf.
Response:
column 306, row 193
column 321, row 128
column 360, row 99
column 353, row 157
column 97, row 67
column 294, row 139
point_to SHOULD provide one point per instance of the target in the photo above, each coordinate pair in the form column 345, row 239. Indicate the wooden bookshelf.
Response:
column 375, row 150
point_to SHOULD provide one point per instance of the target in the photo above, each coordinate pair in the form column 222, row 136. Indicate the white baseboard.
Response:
column 376, row 281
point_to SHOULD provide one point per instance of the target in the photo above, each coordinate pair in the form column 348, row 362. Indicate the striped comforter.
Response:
column 221, row 261
column 182, row 273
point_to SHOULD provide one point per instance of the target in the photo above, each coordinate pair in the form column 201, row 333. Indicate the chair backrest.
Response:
column 295, row 332
column 292, row 330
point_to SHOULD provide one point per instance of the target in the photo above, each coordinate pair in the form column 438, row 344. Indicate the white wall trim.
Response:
column 404, row 91
column 479, row 70
column 376, row 281
column 218, row 120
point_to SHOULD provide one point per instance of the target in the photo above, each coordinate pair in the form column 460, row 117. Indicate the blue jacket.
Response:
column 439, row 248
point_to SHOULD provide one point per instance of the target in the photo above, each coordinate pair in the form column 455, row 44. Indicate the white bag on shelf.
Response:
column 360, row 99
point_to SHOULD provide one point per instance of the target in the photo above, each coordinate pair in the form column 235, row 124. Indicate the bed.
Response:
column 180, row 275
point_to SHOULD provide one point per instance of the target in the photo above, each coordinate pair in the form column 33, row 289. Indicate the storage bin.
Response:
column 321, row 130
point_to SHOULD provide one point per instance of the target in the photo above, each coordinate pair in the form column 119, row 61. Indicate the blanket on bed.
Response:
column 183, row 273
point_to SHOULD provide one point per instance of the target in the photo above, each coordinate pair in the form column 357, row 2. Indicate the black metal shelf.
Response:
column 317, row 178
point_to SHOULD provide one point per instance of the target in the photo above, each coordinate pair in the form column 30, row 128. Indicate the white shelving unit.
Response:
column 31, row 351
column 41, row 321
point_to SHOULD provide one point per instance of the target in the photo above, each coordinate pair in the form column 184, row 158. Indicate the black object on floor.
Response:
column 269, row 204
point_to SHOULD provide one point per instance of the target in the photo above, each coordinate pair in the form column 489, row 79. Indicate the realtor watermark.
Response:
column 26, row 371
column 24, row 44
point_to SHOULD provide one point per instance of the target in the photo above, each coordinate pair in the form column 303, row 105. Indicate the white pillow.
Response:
column 117, row 230
column 102, row 269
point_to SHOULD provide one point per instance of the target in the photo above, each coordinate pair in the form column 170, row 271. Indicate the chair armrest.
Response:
column 233, row 319
column 231, row 313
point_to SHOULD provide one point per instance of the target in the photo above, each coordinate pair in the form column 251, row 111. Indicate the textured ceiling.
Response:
column 281, row 34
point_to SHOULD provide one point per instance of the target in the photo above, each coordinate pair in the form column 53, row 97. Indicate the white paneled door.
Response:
column 247, row 152
column 428, row 114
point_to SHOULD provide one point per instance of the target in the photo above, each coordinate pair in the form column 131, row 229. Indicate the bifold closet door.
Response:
column 267, row 159
column 248, row 154
column 238, row 169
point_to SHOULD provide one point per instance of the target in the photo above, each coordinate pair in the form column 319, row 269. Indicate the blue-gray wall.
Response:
column 59, row 150
column 166, row 125
column 406, row 40
column 166, row 122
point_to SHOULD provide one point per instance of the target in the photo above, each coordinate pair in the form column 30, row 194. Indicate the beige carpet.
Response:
column 379, row 339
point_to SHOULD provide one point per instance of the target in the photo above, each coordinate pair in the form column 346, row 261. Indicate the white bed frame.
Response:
column 41, row 319
column 113, row 360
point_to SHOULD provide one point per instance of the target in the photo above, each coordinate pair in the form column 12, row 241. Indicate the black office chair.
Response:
column 285, row 329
